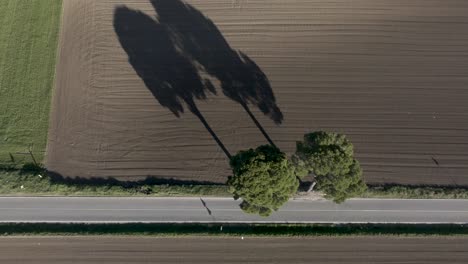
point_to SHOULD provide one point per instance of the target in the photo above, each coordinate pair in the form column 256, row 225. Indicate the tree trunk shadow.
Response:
column 259, row 126
column 171, row 51
column 197, row 113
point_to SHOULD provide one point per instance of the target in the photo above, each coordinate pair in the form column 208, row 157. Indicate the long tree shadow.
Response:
column 170, row 53
column 110, row 181
column 148, row 185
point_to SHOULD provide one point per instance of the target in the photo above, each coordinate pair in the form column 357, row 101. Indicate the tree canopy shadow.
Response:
column 173, row 50
column 139, row 185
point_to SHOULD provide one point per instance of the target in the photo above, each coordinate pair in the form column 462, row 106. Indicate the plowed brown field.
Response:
column 144, row 87
column 147, row 249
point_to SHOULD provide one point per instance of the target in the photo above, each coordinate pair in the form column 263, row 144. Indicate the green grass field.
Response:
column 28, row 43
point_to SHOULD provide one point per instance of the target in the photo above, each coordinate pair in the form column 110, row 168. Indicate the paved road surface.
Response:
column 87, row 209
column 120, row 250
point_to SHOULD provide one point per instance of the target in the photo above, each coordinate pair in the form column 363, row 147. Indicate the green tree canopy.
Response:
column 330, row 157
column 316, row 141
column 342, row 186
column 263, row 178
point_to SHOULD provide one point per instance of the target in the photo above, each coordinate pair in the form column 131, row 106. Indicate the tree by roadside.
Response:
column 264, row 178
column 329, row 157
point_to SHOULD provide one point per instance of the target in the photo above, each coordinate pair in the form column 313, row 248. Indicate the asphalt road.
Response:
column 102, row 209
column 116, row 250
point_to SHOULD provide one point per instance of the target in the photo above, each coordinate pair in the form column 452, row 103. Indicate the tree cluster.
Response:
column 265, row 178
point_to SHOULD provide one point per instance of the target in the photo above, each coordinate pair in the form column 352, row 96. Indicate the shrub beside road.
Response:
column 16, row 182
column 233, row 229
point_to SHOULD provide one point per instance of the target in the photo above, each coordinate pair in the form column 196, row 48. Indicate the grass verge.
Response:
column 232, row 229
column 28, row 43
column 416, row 192
column 35, row 181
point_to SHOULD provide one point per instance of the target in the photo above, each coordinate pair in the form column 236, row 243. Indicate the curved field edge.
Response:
column 176, row 229
column 29, row 31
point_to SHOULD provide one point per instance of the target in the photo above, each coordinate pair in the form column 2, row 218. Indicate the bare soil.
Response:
column 101, row 250
column 160, row 88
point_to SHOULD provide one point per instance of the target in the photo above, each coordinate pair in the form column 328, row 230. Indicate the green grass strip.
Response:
column 232, row 229
column 28, row 45
column 416, row 192
column 35, row 181
column 17, row 183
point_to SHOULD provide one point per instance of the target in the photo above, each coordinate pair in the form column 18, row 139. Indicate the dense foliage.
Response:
column 263, row 178
column 330, row 157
